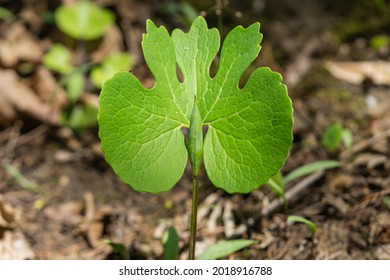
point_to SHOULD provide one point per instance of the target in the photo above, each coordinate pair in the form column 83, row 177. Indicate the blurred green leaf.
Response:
column 58, row 59
column 83, row 20
column 377, row 42
column 6, row 14
column 182, row 12
column 347, row 138
column 170, row 242
column 81, row 117
column 386, row 200
column 110, row 65
column 26, row 184
column 311, row 168
column 332, row 137
column 75, row 85
column 225, row 248
column 118, row 247
column 310, row 224
column 189, row 12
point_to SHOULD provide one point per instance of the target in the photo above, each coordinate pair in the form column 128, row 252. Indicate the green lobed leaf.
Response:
column 225, row 248
column 249, row 129
column 170, row 242
column 311, row 168
column 83, row 20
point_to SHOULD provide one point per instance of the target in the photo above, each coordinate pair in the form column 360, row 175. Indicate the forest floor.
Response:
column 59, row 199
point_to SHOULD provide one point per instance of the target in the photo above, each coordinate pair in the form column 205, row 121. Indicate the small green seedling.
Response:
column 110, row 65
column 59, row 59
column 335, row 135
column 310, row 224
column 310, row 168
column 225, row 248
column 277, row 182
column 220, row 250
column 118, row 247
column 170, row 243
column 83, row 20
column 249, row 128
column 26, row 184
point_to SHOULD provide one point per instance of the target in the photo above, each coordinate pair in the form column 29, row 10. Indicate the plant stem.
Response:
column 195, row 149
column 194, row 215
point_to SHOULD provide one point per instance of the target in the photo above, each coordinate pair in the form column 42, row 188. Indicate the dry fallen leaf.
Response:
column 13, row 244
column 67, row 213
column 377, row 71
column 112, row 43
column 46, row 86
column 18, row 44
column 16, row 97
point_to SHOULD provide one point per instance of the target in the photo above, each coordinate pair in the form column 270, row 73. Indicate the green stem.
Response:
column 195, row 149
column 194, row 215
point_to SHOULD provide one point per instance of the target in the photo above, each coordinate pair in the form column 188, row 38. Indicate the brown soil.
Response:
column 65, row 200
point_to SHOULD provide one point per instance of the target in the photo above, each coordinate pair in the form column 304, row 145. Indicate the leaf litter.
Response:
column 347, row 205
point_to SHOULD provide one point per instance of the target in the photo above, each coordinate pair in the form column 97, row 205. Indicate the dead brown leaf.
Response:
column 16, row 97
column 18, row 44
column 68, row 213
column 47, row 88
column 112, row 43
column 13, row 244
column 356, row 72
column 370, row 160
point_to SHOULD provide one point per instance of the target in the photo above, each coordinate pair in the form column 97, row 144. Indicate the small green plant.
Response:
column 83, row 20
column 335, row 135
column 72, row 78
column 310, row 168
column 249, row 128
column 220, row 250
column 26, row 184
column 170, row 243
column 225, row 248
column 59, row 59
column 118, row 247
column 277, row 182
column 310, row 224
column 110, row 65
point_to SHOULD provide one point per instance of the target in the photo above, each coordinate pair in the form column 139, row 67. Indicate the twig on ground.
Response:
column 23, row 139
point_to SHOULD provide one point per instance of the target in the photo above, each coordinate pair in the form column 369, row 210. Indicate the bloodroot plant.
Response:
column 249, row 129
